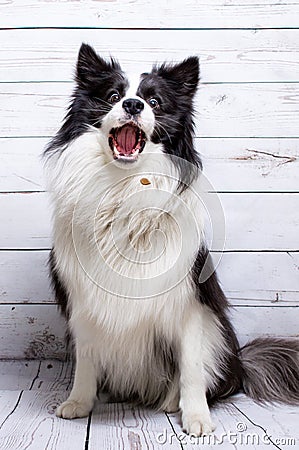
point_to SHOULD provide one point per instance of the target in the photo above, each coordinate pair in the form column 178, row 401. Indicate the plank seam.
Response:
column 149, row 28
column 257, row 425
column 208, row 192
column 271, row 304
column 202, row 83
column 86, row 446
column 36, row 376
column 279, row 250
column 174, row 431
column 15, row 407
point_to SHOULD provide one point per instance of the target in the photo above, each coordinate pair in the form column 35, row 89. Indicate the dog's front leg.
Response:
column 83, row 393
column 196, row 417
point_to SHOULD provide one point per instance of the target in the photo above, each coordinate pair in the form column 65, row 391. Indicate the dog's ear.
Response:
column 184, row 75
column 90, row 65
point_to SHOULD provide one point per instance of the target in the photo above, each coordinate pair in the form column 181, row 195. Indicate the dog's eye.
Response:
column 154, row 103
column 114, row 97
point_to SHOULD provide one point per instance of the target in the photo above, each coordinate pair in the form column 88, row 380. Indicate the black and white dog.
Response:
column 129, row 253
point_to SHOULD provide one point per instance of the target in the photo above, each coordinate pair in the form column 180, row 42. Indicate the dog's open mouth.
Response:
column 127, row 142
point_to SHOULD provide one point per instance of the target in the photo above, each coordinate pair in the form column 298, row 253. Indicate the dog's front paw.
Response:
column 197, row 424
column 70, row 409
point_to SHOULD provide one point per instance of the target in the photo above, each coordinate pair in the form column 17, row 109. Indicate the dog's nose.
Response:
column 133, row 106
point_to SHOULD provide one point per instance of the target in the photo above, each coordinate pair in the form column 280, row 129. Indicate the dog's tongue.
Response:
column 126, row 138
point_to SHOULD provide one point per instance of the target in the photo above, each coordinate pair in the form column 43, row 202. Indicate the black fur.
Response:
column 95, row 80
column 271, row 370
column 209, row 293
column 60, row 291
column 62, row 299
column 175, row 86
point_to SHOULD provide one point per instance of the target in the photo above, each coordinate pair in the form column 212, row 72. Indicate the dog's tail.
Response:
column 271, row 370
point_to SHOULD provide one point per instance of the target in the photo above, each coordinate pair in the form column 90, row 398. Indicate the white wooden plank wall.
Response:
column 247, row 133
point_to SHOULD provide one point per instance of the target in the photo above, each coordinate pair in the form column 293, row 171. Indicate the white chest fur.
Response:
column 124, row 249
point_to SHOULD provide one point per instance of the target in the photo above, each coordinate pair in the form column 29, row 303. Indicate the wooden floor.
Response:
column 31, row 390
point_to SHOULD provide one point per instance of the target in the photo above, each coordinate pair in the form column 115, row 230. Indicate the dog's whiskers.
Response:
column 162, row 128
column 174, row 120
column 97, row 122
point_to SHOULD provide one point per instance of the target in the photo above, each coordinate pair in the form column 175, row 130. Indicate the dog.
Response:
column 129, row 253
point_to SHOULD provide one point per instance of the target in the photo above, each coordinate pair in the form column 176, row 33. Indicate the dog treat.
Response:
column 145, row 181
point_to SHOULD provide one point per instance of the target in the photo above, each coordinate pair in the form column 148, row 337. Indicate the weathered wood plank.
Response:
column 225, row 55
column 253, row 221
column 24, row 277
column 141, row 14
column 16, row 375
column 256, row 221
column 260, row 278
column 54, row 375
column 31, row 332
column 23, row 104
column 251, row 322
column 253, row 110
column 121, row 425
column 27, row 218
column 21, row 167
column 252, row 278
column 232, row 165
column 37, row 331
column 251, row 165
column 45, row 375
column 280, row 422
column 8, row 400
column 33, row 424
column 225, row 110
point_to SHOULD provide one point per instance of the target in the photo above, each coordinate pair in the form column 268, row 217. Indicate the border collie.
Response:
column 129, row 253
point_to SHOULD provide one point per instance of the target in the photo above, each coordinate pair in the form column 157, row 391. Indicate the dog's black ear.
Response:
column 184, row 75
column 90, row 65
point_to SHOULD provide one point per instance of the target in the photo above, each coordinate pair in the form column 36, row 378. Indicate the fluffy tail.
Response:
column 271, row 370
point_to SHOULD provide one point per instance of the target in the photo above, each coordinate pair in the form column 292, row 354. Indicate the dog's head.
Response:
column 155, row 107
